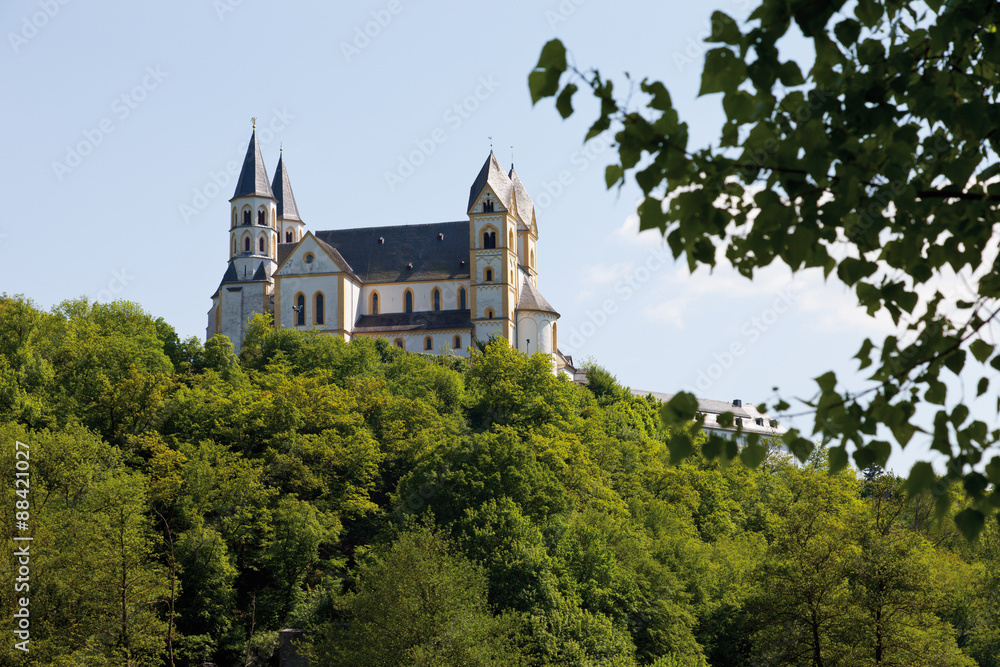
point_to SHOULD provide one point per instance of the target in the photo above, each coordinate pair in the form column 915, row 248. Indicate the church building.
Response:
column 435, row 288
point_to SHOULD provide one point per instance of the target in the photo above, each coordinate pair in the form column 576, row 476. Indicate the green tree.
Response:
column 877, row 165
column 418, row 602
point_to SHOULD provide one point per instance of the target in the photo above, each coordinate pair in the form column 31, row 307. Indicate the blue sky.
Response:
column 122, row 118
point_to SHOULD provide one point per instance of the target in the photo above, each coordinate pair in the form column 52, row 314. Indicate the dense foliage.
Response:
column 187, row 504
column 874, row 159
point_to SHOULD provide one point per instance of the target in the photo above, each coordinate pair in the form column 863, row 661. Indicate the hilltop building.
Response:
column 434, row 288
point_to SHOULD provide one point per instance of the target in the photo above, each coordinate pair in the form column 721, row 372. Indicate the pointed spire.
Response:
column 491, row 174
column 282, row 189
column 253, row 177
column 525, row 207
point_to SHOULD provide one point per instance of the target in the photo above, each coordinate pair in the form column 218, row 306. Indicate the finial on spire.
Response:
column 281, row 147
column 491, row 142
column 511, row 157
column 254, row 121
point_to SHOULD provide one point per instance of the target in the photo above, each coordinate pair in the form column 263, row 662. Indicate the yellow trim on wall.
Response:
column 341, row 301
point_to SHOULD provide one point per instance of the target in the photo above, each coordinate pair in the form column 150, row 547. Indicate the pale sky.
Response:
column 122, row 118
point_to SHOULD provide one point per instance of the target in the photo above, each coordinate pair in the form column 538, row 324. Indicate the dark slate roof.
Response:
column 524, row 204
column 422, row 321
column 532, row 299
column 432, row 258
column 253, row 177
column 491, row 174
column 284, row 250
column 260, row 273
column 282, row 189
column 230, row 275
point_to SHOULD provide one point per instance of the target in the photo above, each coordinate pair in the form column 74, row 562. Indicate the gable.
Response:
column 311, row 256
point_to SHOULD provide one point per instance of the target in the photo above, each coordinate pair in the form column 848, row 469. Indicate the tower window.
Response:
column 489, row 313
column 246, row 244
column 234, row 216
column 461, row 298
column 428, row 343
column 300, row 310
column 374, row 308
column 320, row 314
column 489, row 240
column 510, row 239
column 260, row 244
column 262, row 218
column 488, row 276
column 437, row 299
column 399, row 343
column 408, row 302
column 288, row 236
column 456, row 343
column 487, row 206
column 246, row 216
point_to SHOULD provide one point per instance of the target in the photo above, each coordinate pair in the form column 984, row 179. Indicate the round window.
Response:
column 309, row 258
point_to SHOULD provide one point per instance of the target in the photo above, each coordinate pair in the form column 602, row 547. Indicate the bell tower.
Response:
column 493, row 252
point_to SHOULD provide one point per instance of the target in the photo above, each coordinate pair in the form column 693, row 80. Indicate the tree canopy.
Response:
column 876, row 164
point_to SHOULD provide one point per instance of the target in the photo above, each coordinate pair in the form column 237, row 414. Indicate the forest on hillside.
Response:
column 186, row 504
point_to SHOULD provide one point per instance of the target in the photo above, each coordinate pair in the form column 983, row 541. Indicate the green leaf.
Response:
column 801, row 448
column 680, row 409
column 837, row 458
column 724, row 71
column 564, row 103
column 790, row 75
column 724, row 29
column 544, row 80
column 984, row 384
column 680, row 447
column 753, row 454
column 921, row 478
column 612, row 174
column 847, row 32
column 981, row 350
column 553, row 56
column 970, row 522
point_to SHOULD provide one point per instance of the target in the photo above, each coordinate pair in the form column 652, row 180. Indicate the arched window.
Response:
column 288, row 236
column 234, row 216
column 489, row 240
column 262, row 218
column 461, row 298
column 487, row 206
column 436, row 298
column 399, row 343
column 510, row 239
column 300, row 310
column 456, row 343
column 408, row 302
column 531, row 259
column 488, row 275
column 233, row 244
column 428, row 343
column 374, row 306
column 260, row 244
column 246, row 216
column 246, row 244
column 489, row 313
column 319, row 308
